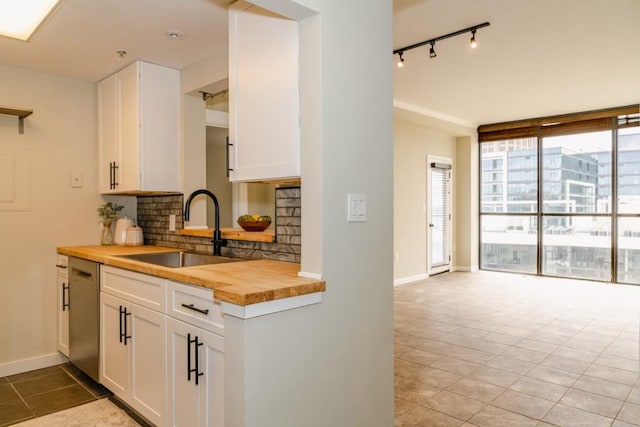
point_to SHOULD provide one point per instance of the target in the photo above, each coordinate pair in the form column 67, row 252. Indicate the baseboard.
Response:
column 25, row 365
column 410, row 279
column 465, row 268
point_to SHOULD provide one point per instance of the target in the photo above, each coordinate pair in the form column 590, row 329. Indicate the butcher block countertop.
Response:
column 241, row 283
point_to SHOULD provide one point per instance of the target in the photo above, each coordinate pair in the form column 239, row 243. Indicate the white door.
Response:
column 439, row 216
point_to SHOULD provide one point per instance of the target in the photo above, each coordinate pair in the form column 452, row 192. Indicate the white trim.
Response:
column 410, row 279
column 30, row 364
column 446, row 160
column 270, row 307
column 306, row 275
column 471, row 269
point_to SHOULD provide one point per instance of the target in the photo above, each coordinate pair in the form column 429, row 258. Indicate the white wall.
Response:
column 415, row 138
column 61, row 139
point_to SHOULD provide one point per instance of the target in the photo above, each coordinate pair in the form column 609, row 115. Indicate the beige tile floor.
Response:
column 493, row 349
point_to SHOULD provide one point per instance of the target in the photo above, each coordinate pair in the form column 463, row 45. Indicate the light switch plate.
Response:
column 356, row 207
column 172, row 223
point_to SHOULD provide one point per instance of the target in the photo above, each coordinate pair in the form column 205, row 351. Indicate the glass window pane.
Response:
column 577, row 173
column 628, row 251
column 629, row 170
column 508, row 175
column 577, row 247
column 509, row 243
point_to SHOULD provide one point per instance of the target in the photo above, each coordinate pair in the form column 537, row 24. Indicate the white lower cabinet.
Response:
column 162, row 348
column 62, row 300
column 132, row 354
column 196, row 376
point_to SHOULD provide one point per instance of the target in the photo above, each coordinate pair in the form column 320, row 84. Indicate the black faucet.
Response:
column 217, row 241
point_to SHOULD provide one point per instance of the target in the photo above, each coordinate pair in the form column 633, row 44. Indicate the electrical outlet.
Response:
column 172, row 223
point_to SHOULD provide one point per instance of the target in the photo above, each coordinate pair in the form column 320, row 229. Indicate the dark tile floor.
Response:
column 44, row 391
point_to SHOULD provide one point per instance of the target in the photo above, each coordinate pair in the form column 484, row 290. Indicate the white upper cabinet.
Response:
column 264, row 112
column 139, row 130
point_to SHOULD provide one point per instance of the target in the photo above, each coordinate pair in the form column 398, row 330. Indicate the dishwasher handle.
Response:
column 82, row 274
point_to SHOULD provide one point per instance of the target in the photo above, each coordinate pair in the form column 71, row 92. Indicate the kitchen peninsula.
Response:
column 174, row 337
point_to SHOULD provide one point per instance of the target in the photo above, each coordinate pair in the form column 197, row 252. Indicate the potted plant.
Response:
column 108, row 213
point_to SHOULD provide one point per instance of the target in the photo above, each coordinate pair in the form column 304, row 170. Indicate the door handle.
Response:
column 65, row 297
column 431, row 225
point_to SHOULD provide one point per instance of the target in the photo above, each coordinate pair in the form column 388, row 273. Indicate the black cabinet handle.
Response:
column 65, row 297
column 228, row 168
column 196, row 357
column 61, row 266
column 112, row 175
column 199, row 310
column 198, row 374
column 123, row 325
column 126, row 337
column 189, row 357
column 120, row 323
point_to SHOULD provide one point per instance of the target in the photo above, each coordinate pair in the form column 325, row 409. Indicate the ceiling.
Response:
column 537, row 58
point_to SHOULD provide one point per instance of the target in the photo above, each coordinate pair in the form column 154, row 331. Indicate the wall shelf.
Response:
column 21, row 114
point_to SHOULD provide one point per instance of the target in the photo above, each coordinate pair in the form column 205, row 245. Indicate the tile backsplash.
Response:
column 153, row 216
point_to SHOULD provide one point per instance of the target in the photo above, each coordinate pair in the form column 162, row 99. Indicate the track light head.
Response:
column 473, row 42
column 400, row 63
column 432, row 50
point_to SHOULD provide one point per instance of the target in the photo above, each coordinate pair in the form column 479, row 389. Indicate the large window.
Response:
column 562, row 197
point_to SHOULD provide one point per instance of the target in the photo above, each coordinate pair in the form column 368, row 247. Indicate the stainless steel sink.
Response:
column 180, row 259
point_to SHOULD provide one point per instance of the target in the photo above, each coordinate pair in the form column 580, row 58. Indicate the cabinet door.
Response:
column 148, row 366
column 114, row 355
column 212, row 397
column 194, row 404
column 129, row 128
column 63, row 314
column 107, row 131
column 184, row 395
column 263, row 95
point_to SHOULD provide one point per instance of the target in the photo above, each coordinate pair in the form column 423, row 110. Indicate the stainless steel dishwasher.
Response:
column 84, row 310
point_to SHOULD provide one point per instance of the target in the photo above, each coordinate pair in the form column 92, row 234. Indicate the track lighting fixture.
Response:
column 473, row 43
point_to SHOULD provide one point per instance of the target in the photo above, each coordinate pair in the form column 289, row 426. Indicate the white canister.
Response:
column 121, row 230
column 134, row 236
